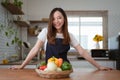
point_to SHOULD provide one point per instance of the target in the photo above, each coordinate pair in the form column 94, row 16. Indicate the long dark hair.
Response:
column 52, row 31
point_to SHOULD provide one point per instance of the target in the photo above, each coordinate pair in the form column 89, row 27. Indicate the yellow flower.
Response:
column 98, row 38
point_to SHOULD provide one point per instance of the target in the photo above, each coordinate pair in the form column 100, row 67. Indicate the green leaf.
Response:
column 12, row 42
column 16, row 39
column 7, row 44
column 6, row 33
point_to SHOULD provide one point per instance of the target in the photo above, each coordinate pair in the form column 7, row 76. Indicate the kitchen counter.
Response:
column 78, row 74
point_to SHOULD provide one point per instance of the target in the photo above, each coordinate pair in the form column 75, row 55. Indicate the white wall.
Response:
column 37, row 9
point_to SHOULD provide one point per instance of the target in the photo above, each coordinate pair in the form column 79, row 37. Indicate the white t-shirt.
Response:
column 43, row 37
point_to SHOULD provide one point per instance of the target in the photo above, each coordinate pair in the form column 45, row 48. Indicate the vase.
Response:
column 97, row 45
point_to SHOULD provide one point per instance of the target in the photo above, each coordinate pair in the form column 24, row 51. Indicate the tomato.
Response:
column 42, row 67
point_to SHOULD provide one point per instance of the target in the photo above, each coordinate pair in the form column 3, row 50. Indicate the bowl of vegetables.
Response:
column 56, row 68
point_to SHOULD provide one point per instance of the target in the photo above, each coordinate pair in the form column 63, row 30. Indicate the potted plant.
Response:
column 18, row 3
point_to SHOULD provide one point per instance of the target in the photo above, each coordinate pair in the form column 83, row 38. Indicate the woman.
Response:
column 58, row 41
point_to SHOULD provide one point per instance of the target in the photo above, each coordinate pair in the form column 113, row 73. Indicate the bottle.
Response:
column 5, row 60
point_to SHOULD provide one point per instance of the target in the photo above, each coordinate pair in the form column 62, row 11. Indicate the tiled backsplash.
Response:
column 6, row 19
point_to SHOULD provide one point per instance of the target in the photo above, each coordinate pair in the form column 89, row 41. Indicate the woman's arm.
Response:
column 31, row 54
column 85, row 54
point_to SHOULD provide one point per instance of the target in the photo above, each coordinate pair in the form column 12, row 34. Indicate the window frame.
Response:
column 95, row 13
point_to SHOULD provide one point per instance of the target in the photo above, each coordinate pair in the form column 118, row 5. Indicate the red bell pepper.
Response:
column 42, row 67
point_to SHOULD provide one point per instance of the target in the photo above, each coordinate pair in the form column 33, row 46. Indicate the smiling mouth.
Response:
column 57, row 25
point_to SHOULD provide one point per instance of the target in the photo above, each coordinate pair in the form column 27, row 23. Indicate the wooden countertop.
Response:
column 78, row 74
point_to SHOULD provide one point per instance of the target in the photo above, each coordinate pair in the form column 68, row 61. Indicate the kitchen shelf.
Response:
column 22, row 23
column 13, row 9
column 37, row 21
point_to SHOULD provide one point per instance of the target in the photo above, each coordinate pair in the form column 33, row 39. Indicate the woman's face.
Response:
column 58, row 21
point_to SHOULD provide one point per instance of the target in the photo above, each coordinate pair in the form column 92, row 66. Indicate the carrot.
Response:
column 60, row 61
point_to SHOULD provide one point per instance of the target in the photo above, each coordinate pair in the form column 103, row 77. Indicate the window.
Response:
column 85, row 26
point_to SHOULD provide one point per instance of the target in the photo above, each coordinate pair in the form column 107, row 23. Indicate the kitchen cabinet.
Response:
column 118, row 64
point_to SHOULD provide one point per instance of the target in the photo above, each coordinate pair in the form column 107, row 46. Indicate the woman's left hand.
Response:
column 105, row 68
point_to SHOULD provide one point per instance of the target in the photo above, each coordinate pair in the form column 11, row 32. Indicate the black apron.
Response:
column 57, row 50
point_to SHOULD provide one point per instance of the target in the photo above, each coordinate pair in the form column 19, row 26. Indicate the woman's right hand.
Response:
column 16, row 67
